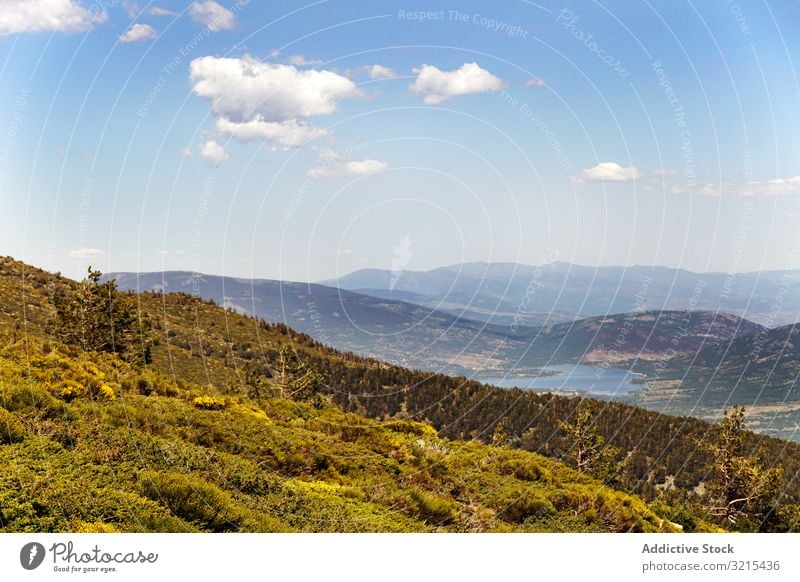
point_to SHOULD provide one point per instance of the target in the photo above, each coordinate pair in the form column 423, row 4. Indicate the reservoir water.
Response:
column 572, row 378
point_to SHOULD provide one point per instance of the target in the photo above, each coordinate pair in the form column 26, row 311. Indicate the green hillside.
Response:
column 199, row 439
column 93, row 443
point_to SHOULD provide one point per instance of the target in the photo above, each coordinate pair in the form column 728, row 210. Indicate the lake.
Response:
column 572, row 378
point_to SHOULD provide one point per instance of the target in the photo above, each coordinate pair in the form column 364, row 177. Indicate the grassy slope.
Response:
column 90, row 444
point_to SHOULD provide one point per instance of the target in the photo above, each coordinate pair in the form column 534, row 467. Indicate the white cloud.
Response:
column 85, row 253
column 437, row 86
column 301, row 61
column 352, row 168
column 186, row 153
column 374, row 72
column 214, row 153
column 254, row 100
column 158, row 11
column 534, row 82
column 707, row 189
column 774, row 187
column 47, row 16
column 283, row 134
column 607, row 172
column 212, row 15
column 138, row 32
column 381, row 72
column 241, row 89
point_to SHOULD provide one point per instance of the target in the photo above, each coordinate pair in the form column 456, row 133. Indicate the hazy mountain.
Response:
column 395, row 331
column 506, row 292
column 768, row 361
column 622, row 339
column 417, row 336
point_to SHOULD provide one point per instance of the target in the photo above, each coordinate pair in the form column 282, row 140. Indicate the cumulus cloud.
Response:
column 381, row 72
column 534, row 82
column 351, row 168
column 254, row 100
column 47, row 16
column 282, row 134
column 213, row 153
column 301, row 61
column 437, row 86
column 138, row 32
column 212, row 15
column 243, row 88
column 186, row 153
column 607, row 172
column 85, row 253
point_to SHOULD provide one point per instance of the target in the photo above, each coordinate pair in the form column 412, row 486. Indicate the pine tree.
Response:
column 499, row 436
column 295, row 378
column 742, row 488
column 98, row 317
column 588, row 449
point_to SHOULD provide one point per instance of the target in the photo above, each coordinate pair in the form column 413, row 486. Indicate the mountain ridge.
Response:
column 525, row 294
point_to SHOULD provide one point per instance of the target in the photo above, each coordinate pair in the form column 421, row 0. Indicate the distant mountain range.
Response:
column 394, row 331
column 505, row 293
column 422, row 337
column 695, row 362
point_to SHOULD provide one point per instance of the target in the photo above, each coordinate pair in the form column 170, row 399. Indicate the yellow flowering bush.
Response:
column 210, row 403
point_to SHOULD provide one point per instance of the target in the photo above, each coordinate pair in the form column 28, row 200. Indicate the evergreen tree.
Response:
column 742, row 489
column 499, row 436
column 588, row 449
column 98, row 317
column 295, row 377
column 255, row 377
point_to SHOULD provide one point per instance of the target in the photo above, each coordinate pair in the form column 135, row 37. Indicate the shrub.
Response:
column 149, row 384
column 94, row 527
column 192, row 499
column 433, row 508
column 11, row 431
column 33, row 399
column 210, row 403
column 145, row 386
column 71, row 390
column 527, row 507
column 107, row 392
column 523, row 468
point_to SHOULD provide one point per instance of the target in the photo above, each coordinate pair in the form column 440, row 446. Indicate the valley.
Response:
column 686, row 362
column 214, row 364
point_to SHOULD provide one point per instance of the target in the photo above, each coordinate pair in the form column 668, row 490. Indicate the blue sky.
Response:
column 304, row 141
